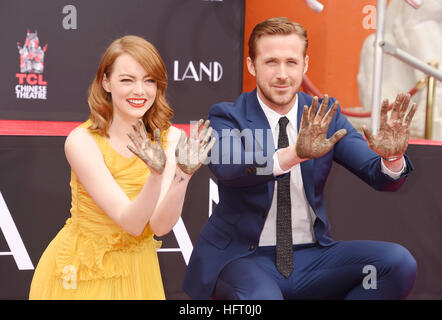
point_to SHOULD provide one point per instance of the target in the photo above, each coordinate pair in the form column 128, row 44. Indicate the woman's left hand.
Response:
column 191, row 152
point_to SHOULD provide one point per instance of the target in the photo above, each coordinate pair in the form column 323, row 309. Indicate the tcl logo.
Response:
column 211, row 71
column 31, row 79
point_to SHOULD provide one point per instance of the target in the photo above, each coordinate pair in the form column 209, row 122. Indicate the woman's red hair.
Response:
column 100, row 101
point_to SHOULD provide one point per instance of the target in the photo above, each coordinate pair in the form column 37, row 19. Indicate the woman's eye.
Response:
column 126, row 80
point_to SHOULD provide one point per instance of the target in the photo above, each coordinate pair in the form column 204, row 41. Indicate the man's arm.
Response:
column 236, row 160
column 354, row 154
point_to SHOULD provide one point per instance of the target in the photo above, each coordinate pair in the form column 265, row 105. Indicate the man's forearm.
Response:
column 287, row 158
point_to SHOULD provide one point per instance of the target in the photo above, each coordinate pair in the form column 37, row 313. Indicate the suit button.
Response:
column 264, row 214
column 251, row 247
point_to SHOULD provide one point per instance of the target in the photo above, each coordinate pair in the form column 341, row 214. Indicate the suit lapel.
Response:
column 257, row 120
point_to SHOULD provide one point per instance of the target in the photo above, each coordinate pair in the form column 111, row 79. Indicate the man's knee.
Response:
column 253, row 290
column 402, row 268
column 261, row 291
column 244, row 279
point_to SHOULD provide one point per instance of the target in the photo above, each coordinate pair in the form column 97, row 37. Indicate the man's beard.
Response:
column 281, row 103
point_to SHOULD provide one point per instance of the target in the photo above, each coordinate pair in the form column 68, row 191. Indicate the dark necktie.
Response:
column 284, row 249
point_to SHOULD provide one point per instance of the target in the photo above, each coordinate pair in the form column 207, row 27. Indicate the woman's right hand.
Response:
column 152, row 154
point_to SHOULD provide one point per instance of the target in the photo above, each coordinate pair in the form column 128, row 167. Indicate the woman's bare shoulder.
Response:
column 80, row 140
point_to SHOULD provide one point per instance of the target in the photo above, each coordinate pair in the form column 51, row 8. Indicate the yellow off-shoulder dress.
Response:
column 91, row 257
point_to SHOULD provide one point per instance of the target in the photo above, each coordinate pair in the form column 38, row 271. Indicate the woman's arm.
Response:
column 86, row 160
column 175, row 182
column 170, row 207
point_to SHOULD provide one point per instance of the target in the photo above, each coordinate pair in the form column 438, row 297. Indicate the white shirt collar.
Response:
column 273, row 116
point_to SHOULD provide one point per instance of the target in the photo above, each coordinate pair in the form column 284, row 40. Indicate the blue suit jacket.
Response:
column 246, row 190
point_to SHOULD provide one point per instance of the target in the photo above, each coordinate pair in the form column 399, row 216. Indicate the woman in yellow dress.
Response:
column 129, row 173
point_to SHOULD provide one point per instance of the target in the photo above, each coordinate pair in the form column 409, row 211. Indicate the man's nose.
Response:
column 282, row 72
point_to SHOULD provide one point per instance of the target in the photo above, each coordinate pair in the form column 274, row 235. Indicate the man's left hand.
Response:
column 391, row 141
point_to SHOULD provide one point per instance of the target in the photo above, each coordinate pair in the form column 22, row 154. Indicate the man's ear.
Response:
column 105, row 83
column 305, row 64
column 251, row 66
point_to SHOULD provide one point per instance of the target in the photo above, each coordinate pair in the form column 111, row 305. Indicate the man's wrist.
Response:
column 392, row 159
column 277, row 170
column 287, row 158
column 393, row 168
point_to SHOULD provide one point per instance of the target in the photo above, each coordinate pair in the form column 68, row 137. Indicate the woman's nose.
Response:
column 138, row 89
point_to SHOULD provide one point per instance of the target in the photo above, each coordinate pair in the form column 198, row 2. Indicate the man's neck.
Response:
column 278, row 109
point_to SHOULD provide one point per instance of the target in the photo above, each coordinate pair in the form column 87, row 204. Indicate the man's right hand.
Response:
column 312, row 139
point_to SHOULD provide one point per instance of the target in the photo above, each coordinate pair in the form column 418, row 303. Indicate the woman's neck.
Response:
column 120, row 127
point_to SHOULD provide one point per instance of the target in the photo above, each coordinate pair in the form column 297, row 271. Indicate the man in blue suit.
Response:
column 269, row 237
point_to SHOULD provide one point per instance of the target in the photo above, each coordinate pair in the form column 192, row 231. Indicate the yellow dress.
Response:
column 91, row 257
